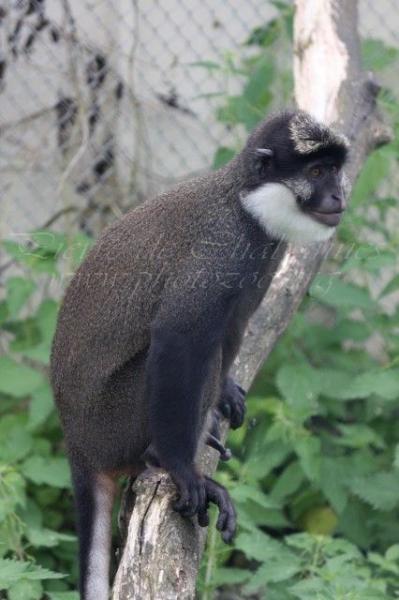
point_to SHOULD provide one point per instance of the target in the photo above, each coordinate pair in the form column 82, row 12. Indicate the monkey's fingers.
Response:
column 213, row 442
column 237, row 408
column 232, row 403
column 226, row 522
column 192, row 494
column 203, row 517
column 215, row 424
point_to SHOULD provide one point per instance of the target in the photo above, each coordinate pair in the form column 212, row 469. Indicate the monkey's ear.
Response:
column 263, row 158
column 267, row 152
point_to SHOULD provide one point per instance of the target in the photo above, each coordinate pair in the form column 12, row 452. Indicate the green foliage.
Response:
column 265, row 71
column 35, row 499
column 315, row 474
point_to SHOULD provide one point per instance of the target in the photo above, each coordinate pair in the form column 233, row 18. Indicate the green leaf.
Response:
column 26, row 333
column 243, row 493
column 309, row 452
column 377, row 55
column 265, row 458
column 25, row 590
column 18, row 292
column 265, row 35
column 288, row 482
column 36, row 259
column 299, row 386
column 375, row 169
column 381, row 490
column 335, row 292
column 18, row 380
column 15, row 440
column 393, row 553
column 333, row 383
column 12, row 491
column 222, row 156
column 359, row 435
column 262, row 547
column 52, row 471
column 41, row 406
column 45, row 322
column 47, row 537
column 12, row 571
column 333, row 476
column 383, row 383
column 310, row 588
column 46, row 317
column 391, row 286
column 256, row 91
column 3, row 311
column 275, row 571
column 51, row 241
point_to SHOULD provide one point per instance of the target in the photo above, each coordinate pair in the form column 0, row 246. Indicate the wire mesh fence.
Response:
column 103, row 103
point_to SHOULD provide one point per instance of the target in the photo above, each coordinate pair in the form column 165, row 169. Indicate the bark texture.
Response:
column 162, row 551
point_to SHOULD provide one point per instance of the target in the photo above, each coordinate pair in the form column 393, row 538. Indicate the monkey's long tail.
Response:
column 94, row 497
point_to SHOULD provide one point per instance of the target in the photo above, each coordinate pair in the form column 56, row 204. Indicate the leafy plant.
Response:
column 35, row 499
column 315, row 470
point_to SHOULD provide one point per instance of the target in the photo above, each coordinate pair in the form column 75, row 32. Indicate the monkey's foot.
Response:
column 232, row 403
column 195, row 494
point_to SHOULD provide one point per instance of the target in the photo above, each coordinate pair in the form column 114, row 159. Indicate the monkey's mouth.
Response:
column 331, row 219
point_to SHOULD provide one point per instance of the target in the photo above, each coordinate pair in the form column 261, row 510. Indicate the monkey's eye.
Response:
column 334, row 170
column 315, row 172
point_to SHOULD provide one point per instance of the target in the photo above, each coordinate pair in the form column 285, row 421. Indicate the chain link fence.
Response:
column 105, row 102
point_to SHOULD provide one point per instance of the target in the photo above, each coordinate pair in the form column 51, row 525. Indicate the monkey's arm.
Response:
column 180, row 362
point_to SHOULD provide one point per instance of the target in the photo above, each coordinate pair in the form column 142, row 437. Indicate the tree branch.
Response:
column 162, row 552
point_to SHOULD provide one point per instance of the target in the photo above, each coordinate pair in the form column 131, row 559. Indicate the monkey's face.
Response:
column 304, row 205
column 319, row 191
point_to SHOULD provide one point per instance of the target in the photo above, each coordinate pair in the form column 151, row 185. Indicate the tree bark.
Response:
column 162, row 551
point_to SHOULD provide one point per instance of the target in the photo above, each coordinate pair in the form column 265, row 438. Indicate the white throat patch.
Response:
column 274, row 206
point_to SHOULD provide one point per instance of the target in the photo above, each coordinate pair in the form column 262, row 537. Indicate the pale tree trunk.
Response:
column 162, row 552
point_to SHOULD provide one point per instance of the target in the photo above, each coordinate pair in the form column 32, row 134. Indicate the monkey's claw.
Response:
column 226, row 522
column 214, row 442
column 232, row 403
column 195, row 494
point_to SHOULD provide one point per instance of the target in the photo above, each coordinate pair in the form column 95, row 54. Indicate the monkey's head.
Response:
column 294, row 183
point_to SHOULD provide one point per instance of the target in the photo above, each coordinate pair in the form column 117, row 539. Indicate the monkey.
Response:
column 154, row 317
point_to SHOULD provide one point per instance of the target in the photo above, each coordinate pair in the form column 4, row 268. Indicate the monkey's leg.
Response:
column 94, row 496
column 232, row 402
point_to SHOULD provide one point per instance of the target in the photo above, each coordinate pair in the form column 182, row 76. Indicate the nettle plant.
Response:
column 37, row 541
column 315, row 473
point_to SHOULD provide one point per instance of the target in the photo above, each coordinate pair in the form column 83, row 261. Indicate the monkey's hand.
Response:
column 196, row 492
column 232, row 402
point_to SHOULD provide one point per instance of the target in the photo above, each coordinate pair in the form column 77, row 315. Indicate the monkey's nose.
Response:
column 339, row 202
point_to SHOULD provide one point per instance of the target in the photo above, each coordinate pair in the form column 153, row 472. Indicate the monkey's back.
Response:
column 103, row 330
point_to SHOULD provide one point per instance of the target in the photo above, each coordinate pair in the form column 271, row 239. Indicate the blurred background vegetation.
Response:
column 315, row 468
